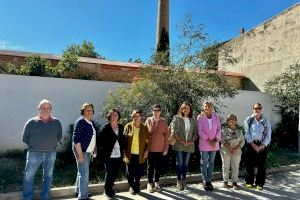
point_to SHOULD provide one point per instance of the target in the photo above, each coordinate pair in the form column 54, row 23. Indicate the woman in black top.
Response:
column 112, row 145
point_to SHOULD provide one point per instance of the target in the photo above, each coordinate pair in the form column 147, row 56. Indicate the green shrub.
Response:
column 272, row 160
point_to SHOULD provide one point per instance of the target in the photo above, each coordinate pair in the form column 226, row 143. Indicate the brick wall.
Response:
column 96, row 68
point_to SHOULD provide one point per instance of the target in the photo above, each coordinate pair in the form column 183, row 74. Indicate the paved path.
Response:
column 285, row 185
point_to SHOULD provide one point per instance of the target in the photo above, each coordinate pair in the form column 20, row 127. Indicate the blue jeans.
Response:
column 207, row 164
column 33, row 161
column 82, row 179
column 182, row 161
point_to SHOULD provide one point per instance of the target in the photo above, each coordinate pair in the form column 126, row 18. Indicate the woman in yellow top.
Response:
column 137, row 145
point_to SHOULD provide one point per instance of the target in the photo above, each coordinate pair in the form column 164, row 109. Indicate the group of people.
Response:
column 139, row 142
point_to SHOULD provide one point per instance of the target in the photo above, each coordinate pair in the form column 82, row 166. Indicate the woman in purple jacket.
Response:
column 209, row 130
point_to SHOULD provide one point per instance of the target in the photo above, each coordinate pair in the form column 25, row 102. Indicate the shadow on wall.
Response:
column 249, row 85
column 2, row 69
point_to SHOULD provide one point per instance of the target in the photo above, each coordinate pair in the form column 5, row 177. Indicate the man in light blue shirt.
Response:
column 258, row 137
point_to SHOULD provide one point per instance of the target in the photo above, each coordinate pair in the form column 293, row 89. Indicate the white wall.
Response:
column 19, row 96
column 241, row 105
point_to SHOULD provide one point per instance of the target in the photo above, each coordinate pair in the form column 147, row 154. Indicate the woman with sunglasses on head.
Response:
column 258, row 137
column 232, row 140
column 159, row 133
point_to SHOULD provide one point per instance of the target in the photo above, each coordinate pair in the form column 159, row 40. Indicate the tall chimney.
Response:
column 162, row 19
column 162, row 32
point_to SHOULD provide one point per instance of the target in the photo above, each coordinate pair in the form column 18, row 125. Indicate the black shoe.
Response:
column 76, row 194
column 137, row 190
column 205, row 186
column 210, row 187
column 108, row 195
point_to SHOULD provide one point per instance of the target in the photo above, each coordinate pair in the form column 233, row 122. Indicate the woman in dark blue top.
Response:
column 84, row 146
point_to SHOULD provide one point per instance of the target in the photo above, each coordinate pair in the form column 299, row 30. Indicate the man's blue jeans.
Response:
column 182, row 161
column 82, row 180
column 33, row 161
column 207, row 164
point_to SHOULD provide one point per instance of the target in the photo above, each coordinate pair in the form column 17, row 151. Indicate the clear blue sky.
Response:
column 121, row 29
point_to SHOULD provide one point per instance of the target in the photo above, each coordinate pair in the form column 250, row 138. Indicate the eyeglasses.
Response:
column 156, row 110
column 257, row 108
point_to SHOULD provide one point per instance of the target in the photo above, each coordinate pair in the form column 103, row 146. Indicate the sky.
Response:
column 121, row 29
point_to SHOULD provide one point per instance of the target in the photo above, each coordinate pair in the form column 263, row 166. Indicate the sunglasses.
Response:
column 257, row 108
column 156, row 110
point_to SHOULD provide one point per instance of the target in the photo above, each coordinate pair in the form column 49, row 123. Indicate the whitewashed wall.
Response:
column 241, row 105
column 19, row 96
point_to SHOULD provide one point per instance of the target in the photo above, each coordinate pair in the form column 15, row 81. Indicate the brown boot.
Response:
column 183, row 184
column 235, row 186
column 225, row 185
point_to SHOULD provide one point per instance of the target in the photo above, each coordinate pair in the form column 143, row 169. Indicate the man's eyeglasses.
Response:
column 156, row 110
column 257, row 108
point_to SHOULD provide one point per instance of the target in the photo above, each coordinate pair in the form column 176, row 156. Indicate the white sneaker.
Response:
column 157, row 186
column 150, row 187
column 179, row 185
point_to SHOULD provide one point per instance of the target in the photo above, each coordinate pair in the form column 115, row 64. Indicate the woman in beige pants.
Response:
column 232, row 140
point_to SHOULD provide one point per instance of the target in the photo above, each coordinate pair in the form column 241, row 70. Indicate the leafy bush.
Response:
column 272, row 160
column 285, row 88
column 34, row 66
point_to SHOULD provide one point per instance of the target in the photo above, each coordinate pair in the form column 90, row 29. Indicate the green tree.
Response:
column 285, row 87
column 138, row 60
column 193, row 49
column 69, row 62
column 86, row 49
column 162, row 54
column 138, row 95
column 183, row 80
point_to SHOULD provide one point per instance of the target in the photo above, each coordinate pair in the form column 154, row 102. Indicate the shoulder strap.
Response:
column 250, row 120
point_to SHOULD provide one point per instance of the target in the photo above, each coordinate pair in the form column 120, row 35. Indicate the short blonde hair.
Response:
column 209, row 103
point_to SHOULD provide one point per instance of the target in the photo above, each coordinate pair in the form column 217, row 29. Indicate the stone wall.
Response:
column 267, row 49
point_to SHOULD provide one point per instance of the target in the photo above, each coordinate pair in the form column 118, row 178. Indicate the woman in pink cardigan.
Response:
column 209, row 130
